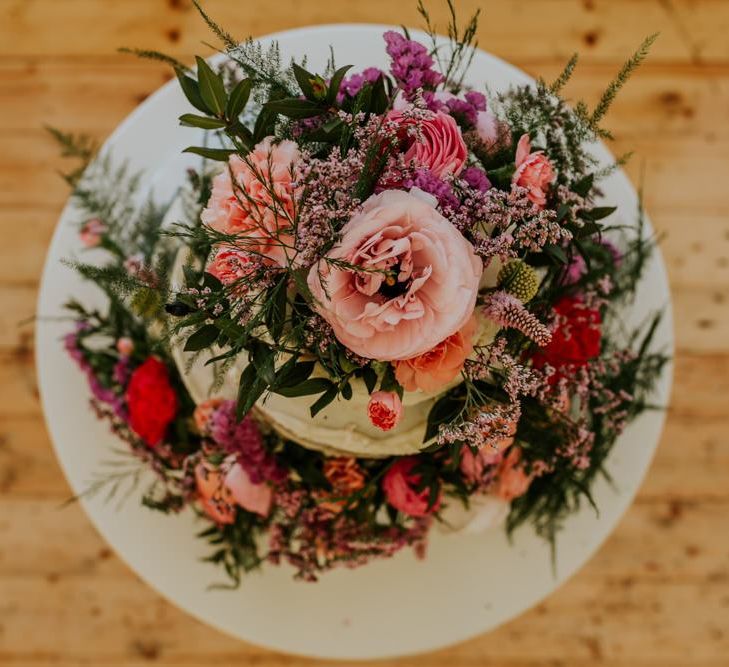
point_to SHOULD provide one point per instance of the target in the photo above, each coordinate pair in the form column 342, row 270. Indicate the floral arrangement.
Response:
column 392, row 234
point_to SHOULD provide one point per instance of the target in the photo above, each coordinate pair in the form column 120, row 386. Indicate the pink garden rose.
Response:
column 384, row 410
column 399, row 485
column 415, row 281
column 512, row 480
column 91, row 232
column 440, row 146
column 260, row 209
column 534, row 171
column 229, row 265
column 437, row 367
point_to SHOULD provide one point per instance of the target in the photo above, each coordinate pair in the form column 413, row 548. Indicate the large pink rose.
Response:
column 260, row 208
column 411, row 279
column 400, row 486
column 437, row 367
column 534, row 172
column 439, row 146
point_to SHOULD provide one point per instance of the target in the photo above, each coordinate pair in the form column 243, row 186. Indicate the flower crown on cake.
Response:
column 424, row 273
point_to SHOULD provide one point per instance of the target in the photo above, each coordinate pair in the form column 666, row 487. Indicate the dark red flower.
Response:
column 151, row 401
column 576, row 340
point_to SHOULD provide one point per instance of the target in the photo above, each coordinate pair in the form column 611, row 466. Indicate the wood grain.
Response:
column 657, row 594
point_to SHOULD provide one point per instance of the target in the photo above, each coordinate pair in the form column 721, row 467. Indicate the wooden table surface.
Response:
column 657, row 593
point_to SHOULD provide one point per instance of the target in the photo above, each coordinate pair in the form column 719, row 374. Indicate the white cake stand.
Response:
column 467, row 585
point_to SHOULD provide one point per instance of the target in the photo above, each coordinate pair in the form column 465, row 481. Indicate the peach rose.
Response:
column 439, row 146
column 261, row 206
column 125, row 346
column 512, row 480
column 221, row 491
column 384, row 410
column 412, row 282
column 534, row 171
column 437, row 367
column 399, row 485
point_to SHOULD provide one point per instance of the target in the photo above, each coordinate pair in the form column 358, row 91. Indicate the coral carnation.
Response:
column 534, row 172
column 385, row 410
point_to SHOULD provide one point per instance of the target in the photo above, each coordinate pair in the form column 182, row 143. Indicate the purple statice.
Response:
column 476, row 179
column 412, row 65
column 352, row 85
column 465, row 110
column 507, row 311
column 427, row 181
column 100, row 393
column 243, row 439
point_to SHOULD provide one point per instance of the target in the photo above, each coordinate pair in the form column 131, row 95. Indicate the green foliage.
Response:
column 77, row 146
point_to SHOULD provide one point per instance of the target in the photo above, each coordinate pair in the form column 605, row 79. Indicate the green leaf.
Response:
column 293, row 107
column 369, row 375
column 306, row 388
column 204, row 122
column 597, row 213
column 336, row 83
column 325, row 399
column 584, row 185
column 191, row 90
column 212, row 88
column 293, row 374
column 276, row 313
column 556, row 253
column 218, row 154
column 204, row 337
column 238, row 99
column 389, row 382
column 347, row 391
column 305, row 79
column 250, row 389
column 262, row 357
column 380, row 100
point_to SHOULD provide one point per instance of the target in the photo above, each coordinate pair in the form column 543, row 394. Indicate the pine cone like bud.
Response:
column 520, row 279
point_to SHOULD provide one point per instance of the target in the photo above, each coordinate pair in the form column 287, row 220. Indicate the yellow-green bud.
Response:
column 519, row 279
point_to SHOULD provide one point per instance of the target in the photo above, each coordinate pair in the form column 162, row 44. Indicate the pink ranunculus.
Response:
column 91, row 232
column 229, row 265
column 260, row 209
column 512, row 481
column 385, row 410
column 399, row 485
column 409, row 282
column 440, row 365
column 534, row 171
column 438, row 146
column 252, row 497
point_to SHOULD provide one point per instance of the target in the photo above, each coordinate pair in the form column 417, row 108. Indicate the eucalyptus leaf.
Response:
column 204, row 337
column 191, row 90
column 204, row 122
column 238, row 99
column 217, row 154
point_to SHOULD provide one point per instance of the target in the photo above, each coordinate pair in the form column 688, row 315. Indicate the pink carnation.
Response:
column 400, row 487
column 384, row 410
column 437, row 367
column 534, row 172
column 437, row 144
column 413, row 283
column 91, row 232
column 229, row 265
column 260, row 209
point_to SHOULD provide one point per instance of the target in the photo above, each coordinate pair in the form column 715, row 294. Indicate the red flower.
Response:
column 576, row 340
column 151, row 401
